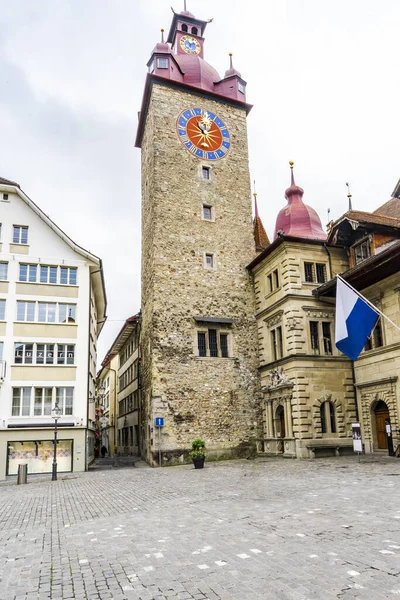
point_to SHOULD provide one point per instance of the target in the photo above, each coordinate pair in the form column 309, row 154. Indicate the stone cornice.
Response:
column 304, row 357
column 383, row 381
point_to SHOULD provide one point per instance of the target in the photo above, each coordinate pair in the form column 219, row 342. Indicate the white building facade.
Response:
column 52, row 309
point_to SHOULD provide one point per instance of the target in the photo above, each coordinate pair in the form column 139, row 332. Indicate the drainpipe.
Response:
column 355, row 390
column 329, row 259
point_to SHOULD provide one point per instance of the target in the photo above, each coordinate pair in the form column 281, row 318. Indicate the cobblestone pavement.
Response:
column 242, row 530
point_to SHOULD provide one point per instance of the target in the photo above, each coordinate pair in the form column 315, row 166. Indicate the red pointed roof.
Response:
column 260, row 235
column 296, row 218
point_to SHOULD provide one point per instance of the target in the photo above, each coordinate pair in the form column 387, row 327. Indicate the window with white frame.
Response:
column 47, row 312
column 2, row 310
column 43, row 401
column 48, row 274
column 65, row 398
column 3, row 271
column 20, row 234
column 25, row 311
column 321, row 337
column 28, row 273
column 241, row 88
column 23, row 354
column 213, row 343
column 21, row 402
column 68, row 275
column 162, row 63
column 206, row 173
column 362, row 251
column 34, row 273
column 66, row 313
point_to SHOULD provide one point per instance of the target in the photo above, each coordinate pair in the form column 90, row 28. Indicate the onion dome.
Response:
column 232, row 71
column 296, row 218
column 197, row 71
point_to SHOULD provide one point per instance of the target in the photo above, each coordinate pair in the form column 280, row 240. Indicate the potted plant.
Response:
column 198, row 453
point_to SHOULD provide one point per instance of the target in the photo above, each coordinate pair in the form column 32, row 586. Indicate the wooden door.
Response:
column 380, row 416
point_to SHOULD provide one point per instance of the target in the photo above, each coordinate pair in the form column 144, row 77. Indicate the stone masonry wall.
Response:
column 213, row 398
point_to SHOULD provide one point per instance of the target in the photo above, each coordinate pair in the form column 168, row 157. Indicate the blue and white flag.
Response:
column 355, row 320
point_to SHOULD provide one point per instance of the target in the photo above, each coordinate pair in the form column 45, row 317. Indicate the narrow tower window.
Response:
column 209, row 261
column 184, row 27
column 205, row 171
column 207, row 213
column 194, row 30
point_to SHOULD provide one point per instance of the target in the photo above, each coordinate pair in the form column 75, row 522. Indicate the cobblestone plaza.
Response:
column 241, row 530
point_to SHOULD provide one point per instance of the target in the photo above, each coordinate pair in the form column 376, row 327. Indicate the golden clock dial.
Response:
column 190, row 45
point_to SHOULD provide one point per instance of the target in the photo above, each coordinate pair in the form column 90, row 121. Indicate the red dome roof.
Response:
column 197, row 71
column 298, row 219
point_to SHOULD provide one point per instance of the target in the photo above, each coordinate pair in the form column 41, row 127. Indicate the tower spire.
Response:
column 184, row 5
column 162, row 35
column 255, row 201
column 349, row 196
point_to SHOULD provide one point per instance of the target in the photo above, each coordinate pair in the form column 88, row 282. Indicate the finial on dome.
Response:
column 230, row 60
column 184, row 5
column 291, row 163
column 162, row 35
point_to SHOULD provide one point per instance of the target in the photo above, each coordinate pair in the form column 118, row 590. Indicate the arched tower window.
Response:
column 194, row 30
column 184, row 27
column 328, row 419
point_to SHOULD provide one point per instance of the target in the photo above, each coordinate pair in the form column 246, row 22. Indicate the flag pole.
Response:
column 368, row 302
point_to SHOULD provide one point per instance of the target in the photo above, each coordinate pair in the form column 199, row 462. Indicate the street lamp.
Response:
column 56, row 414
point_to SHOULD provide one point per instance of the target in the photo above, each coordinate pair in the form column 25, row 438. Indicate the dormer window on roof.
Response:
column 362, row 251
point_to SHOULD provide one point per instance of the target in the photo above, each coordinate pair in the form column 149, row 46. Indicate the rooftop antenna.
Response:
column 329, row 214
column 184, row 5
column 349, row 196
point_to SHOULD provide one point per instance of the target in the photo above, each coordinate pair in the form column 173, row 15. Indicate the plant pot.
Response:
column 199, row 462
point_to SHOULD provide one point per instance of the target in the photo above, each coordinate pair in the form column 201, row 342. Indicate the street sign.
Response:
column 159, row 422
column 357, row 441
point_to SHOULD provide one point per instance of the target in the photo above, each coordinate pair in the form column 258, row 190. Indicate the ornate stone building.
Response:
column 199, row 343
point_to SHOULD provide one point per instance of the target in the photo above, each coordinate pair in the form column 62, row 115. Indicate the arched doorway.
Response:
column 381, row 413
column 280, row 422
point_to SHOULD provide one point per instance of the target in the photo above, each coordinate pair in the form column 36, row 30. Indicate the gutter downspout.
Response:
column 329, row 259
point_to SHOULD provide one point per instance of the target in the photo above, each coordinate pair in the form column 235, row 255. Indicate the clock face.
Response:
column 190, row 45
column 203, row 134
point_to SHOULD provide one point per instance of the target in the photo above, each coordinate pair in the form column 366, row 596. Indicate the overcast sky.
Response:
column 323, row 76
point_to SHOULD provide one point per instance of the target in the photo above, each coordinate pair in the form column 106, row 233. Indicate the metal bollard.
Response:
column 22, row 474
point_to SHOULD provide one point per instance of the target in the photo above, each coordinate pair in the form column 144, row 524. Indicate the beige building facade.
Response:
column 52, row 310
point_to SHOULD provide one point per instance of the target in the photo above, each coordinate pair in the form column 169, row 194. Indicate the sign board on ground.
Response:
column 357, row 441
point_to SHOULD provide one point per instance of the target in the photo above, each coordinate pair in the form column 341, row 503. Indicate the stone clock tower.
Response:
column 199, row 336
